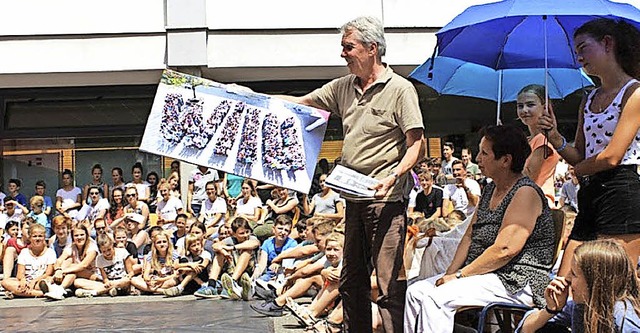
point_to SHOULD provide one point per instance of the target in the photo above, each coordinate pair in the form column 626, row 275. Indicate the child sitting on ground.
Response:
column 272, row 247
column 121, row 241
column 37, row 210
column 181, row 228
column 306, row 264
column 235, row 256
column 61, row 238
column 192, row 267
column 158, row 272
column 308, row 275
column 306, row 248
column 16, row 242
column 77, row 261
column 116, row 267
column 334, row 244
column 12, row 231
column 35, row 264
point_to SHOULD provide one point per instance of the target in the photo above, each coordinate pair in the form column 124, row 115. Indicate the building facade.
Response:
column 77, row 78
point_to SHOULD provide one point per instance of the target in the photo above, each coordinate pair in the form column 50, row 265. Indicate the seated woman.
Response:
column 281, row 204
column 95, row 208
column 325, row 204
column 174, row 183
column 600, row 303
column 153, row 181
column 35, row 264
column 507, row 251
column 137, row 181
column 115, row 214
column 168, row 208
column 76, row 261
column 97, row 182
column 249, row 204
column 136, row 206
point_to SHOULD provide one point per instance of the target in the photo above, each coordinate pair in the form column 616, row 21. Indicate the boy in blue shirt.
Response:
column 272, row 247
column 41, row 187
column 14, row 191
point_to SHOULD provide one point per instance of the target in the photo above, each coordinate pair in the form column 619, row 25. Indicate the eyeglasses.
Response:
column 94, row 193
column 130, row 195
column 100, row 228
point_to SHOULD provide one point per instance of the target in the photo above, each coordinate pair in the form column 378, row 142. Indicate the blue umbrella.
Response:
column 451, row 76
column 525, row 33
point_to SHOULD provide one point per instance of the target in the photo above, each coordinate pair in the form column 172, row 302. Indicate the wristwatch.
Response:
column 459, row 274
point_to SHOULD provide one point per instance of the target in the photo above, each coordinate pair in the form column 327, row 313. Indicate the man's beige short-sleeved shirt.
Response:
column 374, row 124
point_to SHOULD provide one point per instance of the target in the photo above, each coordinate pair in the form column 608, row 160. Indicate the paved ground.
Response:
column 138, row 314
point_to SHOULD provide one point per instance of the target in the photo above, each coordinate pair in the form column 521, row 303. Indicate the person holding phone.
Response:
column 461, row 193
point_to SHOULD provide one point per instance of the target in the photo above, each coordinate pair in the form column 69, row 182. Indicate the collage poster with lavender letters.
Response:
column 235, row 130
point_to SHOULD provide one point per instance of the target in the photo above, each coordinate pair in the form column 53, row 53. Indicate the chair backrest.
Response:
column 558, row 218
column 296, row 216
column 153, row 219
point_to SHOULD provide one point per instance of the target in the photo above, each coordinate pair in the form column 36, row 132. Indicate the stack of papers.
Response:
column 351, row 182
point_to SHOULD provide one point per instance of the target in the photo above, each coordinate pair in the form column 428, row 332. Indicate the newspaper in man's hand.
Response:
column 350, row 181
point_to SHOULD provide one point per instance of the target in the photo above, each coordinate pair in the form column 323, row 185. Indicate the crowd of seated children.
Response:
column 303, row 277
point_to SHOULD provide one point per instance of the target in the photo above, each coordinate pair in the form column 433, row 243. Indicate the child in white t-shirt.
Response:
column 35, row 265
column 193, row 267
column 116, row 267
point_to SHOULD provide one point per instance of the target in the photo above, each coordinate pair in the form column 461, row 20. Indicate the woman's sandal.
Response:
column 301, row 313
column 134, row 291
column 325, row 326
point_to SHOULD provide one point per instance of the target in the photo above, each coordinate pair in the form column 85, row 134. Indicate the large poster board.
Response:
column 234, row 130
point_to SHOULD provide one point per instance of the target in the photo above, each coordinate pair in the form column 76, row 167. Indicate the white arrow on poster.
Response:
column 234, row 130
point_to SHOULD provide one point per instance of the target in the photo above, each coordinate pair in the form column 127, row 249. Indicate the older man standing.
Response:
column 383, row 138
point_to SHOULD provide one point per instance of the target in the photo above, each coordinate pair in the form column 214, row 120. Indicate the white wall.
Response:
column 71, row 42
column 46, row 17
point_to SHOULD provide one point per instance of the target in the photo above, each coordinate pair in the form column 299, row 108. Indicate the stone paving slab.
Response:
column 131, row 314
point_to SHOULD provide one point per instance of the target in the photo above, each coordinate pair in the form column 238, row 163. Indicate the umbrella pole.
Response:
column 499, row 108
column 547, row 151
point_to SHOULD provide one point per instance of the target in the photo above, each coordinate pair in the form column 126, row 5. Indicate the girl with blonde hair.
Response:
column 159, row 273
column 605, row 293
